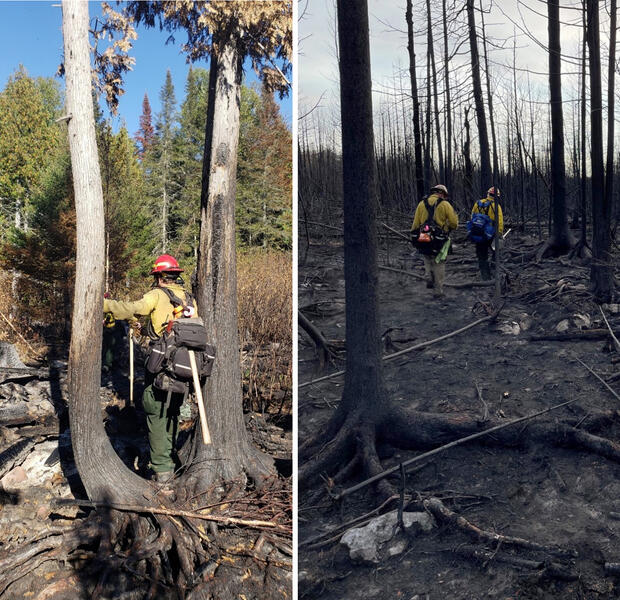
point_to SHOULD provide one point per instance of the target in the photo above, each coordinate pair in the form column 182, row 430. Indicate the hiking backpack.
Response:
column 429, row 238
column 480, row 228
column 168, row 356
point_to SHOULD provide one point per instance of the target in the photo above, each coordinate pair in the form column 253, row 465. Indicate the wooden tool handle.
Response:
column 206, row 436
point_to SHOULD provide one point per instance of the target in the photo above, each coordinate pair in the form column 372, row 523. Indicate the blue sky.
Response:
column 31, row 34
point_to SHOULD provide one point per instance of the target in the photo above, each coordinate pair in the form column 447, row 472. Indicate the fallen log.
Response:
column 612, row 568
column 16, row 413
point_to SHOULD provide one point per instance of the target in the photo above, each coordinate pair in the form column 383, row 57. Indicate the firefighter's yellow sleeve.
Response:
column 126, row 310
column 420, row 216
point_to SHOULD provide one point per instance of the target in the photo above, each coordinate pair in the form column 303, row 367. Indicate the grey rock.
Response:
column 9, row 356
column 365, row 544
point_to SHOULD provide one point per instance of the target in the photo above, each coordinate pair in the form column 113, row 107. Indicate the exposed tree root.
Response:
column 543, row 568
column 555, row 247
column 162, row 549
column 355, row 443
column 442, row 513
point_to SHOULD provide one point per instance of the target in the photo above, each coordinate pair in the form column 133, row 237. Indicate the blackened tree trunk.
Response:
column 485, row 159
column 487, row 76
column 561, row 240
column 584, row 174
column 230, row 453
column 609, row 168
column 468, row 184
column 446, row 60
column 431, row 54
column 417, row 136
column 103, row 474
column 601, row 273
column 353, row 427
column 364, row 373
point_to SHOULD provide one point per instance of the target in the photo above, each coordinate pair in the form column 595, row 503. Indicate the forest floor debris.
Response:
column 48, row 538
column 547, row 494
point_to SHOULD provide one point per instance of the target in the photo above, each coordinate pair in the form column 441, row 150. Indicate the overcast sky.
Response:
column 318, row 69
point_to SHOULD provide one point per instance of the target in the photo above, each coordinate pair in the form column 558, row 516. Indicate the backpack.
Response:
column 480, row 228
column 429, row 238
column 168, row 356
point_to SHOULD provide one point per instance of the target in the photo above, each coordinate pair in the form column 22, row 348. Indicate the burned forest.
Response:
column 461, row 442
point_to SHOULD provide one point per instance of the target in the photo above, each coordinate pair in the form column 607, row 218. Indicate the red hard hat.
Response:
column 166, row 264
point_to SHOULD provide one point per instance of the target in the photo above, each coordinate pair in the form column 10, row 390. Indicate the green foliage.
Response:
column 264, row 174
column 162, row 184
column 36, row 192
column 28, row 138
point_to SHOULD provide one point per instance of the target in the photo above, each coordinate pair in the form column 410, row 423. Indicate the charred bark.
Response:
column 231, row 453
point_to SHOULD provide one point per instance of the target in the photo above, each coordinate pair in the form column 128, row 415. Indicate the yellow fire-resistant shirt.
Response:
column 154, row 303
column 490, row 211
column 444, row 215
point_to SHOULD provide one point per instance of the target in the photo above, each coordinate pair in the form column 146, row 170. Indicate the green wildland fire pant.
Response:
column 162, row 420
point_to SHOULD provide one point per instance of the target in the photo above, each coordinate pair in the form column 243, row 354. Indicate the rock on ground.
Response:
column 365, row 544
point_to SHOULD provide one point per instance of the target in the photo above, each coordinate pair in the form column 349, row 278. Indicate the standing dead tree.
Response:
column 561, row 241
column 601, row 273
column 417, row 139
column 483, row 137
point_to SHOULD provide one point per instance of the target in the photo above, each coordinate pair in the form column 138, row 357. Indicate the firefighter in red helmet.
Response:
column 162, row 410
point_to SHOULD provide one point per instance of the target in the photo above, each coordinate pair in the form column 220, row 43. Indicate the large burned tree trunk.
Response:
column 103, row 474
column 601, row 274
column 364, row 399
column 561, row 240
column 230, row 452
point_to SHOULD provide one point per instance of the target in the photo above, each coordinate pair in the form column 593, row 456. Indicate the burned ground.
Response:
column 56, row 550
column 545, row 492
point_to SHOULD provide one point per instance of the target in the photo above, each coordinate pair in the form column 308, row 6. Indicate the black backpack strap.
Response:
column 176, row 301
column 431, row 209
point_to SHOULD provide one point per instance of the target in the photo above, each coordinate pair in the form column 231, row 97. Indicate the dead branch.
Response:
column 442, row 513
column 336, row 532
column 599, row 378
column 398, row 233
column 485, row 416
column 546, row 569
column 463, row 284
column 137, row 508
column 411, row 348
column 324, row 348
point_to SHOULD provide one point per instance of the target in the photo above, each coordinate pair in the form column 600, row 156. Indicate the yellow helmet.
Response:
column 440, row 188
